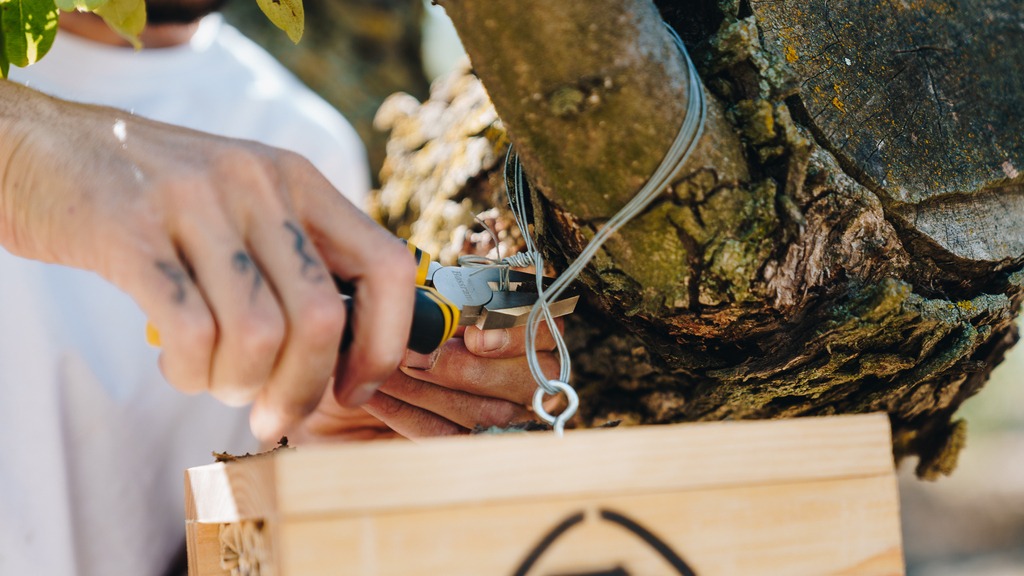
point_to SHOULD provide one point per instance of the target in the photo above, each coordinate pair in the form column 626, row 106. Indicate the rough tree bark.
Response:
column 848, row 237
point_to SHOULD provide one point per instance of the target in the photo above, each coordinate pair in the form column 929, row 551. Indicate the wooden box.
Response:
column 814, row 496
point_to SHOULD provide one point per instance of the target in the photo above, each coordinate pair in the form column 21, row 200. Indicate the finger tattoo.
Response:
column 177, row 275
column 312, row 269
column 243, row 264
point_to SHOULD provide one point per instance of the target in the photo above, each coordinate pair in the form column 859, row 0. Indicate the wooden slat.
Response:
column 847, row 527
column 393, row 475
column 204, row 549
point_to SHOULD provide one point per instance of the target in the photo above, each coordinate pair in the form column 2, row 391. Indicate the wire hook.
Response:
column 556, row 422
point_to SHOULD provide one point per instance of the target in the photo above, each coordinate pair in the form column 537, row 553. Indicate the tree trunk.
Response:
column 847, row 237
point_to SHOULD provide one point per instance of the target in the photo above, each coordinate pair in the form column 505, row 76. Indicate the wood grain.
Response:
column 400, row 475
column 831, row 527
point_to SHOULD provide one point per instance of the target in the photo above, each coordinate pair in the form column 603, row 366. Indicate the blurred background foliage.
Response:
column 354, row 53
column 357, row 52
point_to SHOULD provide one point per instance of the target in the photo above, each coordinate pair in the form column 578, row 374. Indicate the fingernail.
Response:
column 360, row 394
column 493, row 340
column 420, row 361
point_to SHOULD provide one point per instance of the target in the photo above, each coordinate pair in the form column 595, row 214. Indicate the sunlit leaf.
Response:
column 83, row 5
column 28, row 29
column 286, row 15
column 5, row 64
column 126, row 17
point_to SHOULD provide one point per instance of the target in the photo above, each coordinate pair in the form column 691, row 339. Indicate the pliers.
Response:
column 451, row 296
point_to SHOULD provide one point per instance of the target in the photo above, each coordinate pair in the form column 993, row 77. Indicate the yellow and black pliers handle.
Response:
column 434, row 319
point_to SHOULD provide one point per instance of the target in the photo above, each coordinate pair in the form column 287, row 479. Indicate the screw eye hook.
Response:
column 556, row 387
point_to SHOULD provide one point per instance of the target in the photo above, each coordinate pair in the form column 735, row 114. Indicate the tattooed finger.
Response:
column 243, row 264
column 312, row 268
column 177, row 275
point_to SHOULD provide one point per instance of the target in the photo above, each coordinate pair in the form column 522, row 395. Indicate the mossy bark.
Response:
column 848, row 237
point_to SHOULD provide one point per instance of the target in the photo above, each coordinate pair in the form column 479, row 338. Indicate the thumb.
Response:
column 506, row 342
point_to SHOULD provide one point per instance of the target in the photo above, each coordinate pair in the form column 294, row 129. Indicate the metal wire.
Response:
column 686, row 140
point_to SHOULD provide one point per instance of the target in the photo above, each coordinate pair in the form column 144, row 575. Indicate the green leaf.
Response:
column 5, row 64
column 29, row 27
column 286, row 15
column 126, row 17
column 81, row 5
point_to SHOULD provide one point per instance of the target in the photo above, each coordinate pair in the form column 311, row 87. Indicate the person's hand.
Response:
column 228, row 246
column 479, row 379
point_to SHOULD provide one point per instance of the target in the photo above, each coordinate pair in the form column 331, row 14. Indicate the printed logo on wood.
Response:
column 620, row 533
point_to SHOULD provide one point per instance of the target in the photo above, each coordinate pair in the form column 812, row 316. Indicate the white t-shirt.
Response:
column 95, row 442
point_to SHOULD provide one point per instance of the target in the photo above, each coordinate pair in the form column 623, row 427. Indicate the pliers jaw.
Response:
column 492, row 298
column 446, row 297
